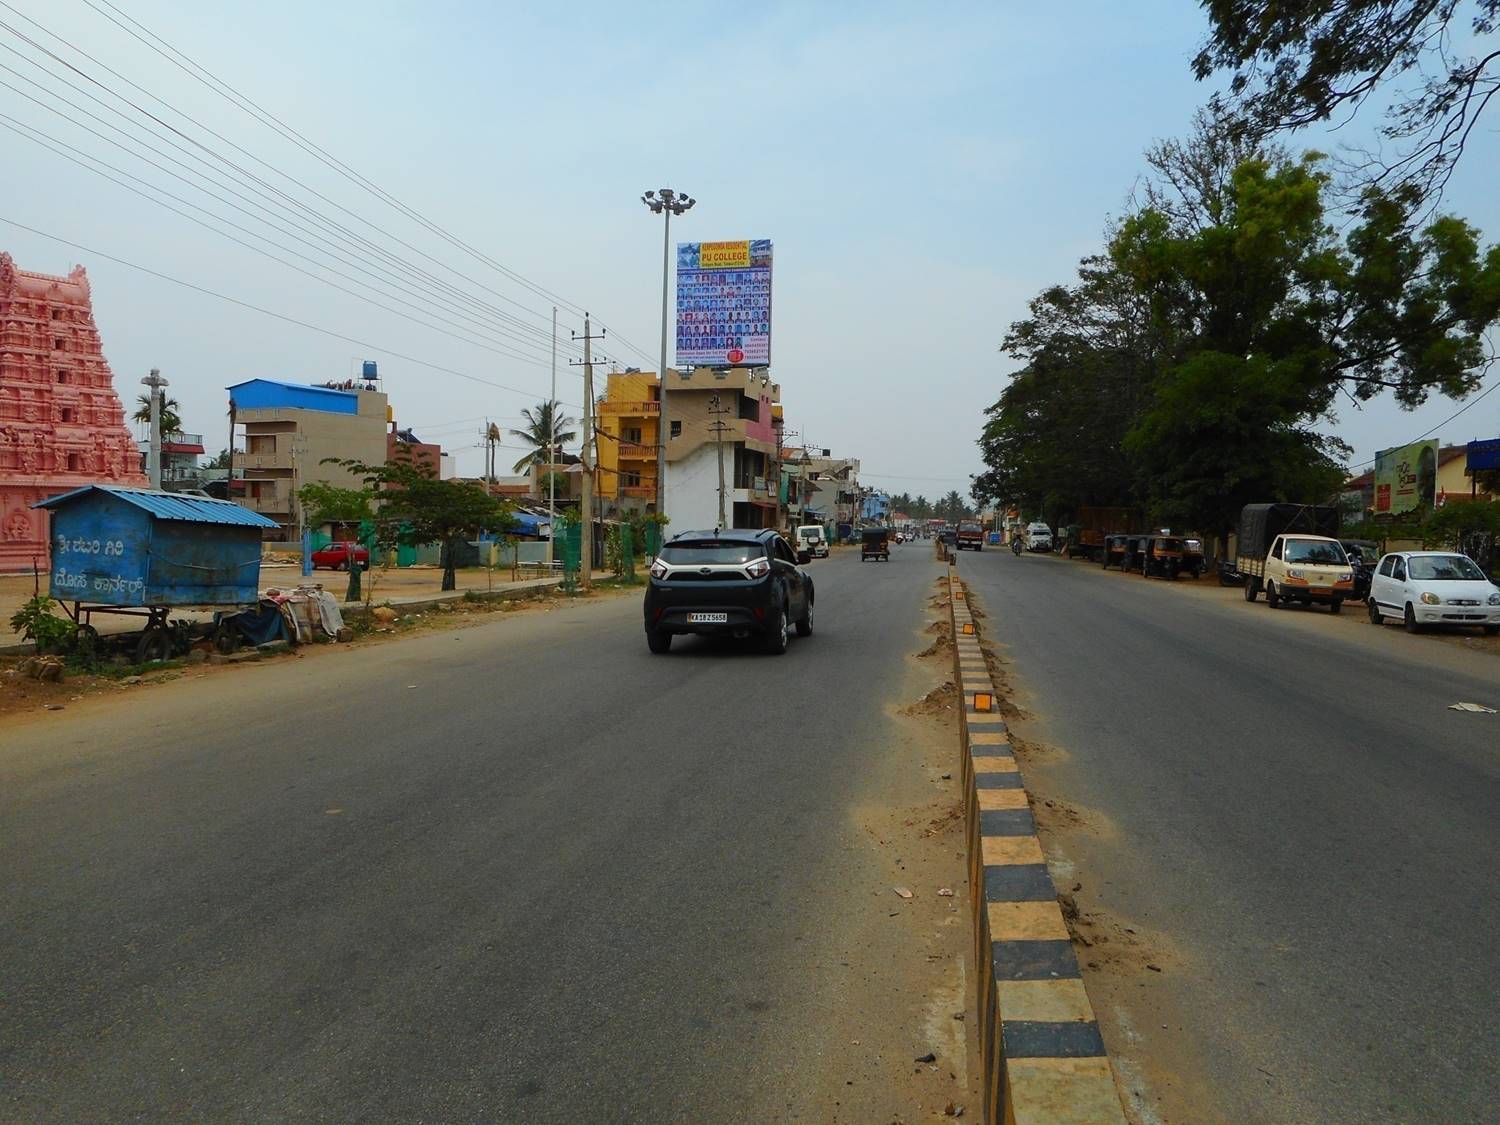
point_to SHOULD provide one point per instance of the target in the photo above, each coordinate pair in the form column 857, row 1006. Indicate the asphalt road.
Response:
column 521, row 871
column 1287, row 798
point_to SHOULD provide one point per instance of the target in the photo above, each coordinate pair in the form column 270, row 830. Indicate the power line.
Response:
column 1473, row 402
column 339, row 229
column 493, row 345
column 271, row 313
column 187, row 65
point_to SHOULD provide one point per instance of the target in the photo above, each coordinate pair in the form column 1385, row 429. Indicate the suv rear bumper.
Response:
column 745, row 605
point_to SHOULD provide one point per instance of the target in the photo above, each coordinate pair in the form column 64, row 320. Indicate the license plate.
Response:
column 708, row 619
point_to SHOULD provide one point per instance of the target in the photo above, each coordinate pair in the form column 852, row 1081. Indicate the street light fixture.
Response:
column 664, row 202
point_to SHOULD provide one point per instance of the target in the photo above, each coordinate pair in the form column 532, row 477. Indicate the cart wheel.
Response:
column 86, row 642
column 155, row 644
column 226, row 638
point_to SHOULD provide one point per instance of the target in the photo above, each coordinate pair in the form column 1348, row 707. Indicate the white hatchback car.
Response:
column 1424, row 588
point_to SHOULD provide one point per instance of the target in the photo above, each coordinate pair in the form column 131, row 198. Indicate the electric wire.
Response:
column 524, row 341
column 205, row 77
column 381, row 348
column 488, row 343
column 266, row 190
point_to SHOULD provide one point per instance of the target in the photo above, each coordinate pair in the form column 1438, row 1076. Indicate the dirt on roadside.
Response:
column 909, row 987
column 23, row 699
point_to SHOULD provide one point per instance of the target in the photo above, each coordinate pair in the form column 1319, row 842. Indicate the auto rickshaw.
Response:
column 1134, row 552
column 1193, row 559
column 874, row 543
column 1161, row 557
column 1114, row 551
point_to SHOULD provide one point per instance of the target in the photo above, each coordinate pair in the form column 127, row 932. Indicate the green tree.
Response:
column 545, row 447
column 328, row 503
column 220, row 460
column 414, row 508
column 171, row 421
column 1294, row 64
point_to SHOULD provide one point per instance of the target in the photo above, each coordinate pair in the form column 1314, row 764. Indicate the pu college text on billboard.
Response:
column 724, row 303
column 1406, row 478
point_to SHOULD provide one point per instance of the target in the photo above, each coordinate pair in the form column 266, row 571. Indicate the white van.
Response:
column 1038, row 537
column 810, row 538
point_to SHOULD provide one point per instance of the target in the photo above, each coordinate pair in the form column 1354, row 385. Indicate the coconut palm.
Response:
column 539, row 422
column 171, row 421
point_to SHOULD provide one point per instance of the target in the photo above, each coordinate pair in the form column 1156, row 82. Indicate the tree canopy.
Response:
column 413, row 508
column 1187, row 368
column 546, row 445
column 1294, row 64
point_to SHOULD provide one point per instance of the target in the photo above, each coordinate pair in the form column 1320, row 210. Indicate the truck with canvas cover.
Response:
column 1291, row 552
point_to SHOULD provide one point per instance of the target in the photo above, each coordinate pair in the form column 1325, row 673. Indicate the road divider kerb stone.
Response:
column 1043, row 1056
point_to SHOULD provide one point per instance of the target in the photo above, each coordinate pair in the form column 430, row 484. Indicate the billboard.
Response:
column 1406, row 478
column 724, row 303
column 1483, row 455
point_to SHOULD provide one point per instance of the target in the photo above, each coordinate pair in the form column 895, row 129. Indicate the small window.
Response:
column 631, row 480
column 67, row 414
column 633, row 434
column 75, row 463
column 749, row 408
column 1387, row 564
column 1398, row 572
column 676, row 429
column 57, row 314
column 59, row 344
column 62, row 376
column 1276, row 550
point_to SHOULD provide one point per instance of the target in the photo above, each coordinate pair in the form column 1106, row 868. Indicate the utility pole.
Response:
column 552, row 447
column 717, row 408
column 667, row 203
column 153, row 447
column 586, row 503
column 299, row 450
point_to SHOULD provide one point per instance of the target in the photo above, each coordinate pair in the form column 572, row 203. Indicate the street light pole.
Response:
column 666, row 203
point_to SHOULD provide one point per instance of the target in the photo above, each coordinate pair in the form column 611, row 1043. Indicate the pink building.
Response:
column 61, row 423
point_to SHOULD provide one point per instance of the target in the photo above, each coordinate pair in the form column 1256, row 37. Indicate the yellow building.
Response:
column 629, row 415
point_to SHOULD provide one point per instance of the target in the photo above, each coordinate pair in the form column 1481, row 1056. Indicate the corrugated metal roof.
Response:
column 170, row 506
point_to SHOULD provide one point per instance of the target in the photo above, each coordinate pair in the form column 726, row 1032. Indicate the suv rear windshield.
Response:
column 711, row 553
column 1315, row 551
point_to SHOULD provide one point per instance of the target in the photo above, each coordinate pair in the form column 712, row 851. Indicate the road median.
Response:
column 1043, row 1056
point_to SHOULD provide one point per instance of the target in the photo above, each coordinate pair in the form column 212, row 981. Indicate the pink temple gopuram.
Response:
column 61, row 422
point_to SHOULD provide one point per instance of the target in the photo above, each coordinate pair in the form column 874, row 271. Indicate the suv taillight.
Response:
column 659, row 569
column 759, row 568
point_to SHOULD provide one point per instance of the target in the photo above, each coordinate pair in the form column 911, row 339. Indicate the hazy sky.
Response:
column 923, row 171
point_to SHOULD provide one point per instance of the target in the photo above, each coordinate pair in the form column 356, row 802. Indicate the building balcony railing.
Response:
column 639, row 491
column 177, row 437
column 253, row 462
column 636, row 451
column 267, row 505
column 643, row 408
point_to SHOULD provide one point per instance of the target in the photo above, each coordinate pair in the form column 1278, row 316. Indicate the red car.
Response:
column 336, row 556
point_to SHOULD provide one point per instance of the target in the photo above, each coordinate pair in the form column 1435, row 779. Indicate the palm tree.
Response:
column 538, row 423
column 171, row 421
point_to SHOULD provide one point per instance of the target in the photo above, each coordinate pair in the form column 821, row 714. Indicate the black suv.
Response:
column 739, row 582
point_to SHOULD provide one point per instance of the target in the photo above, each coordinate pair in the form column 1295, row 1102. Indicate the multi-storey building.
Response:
column 628, row 417
column 62, row 425
column 714, row 411
column 295, row 434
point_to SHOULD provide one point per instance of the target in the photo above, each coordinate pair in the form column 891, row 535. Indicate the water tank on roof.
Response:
column 369, row 369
